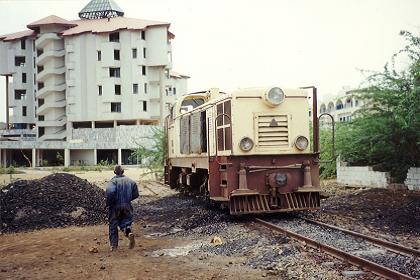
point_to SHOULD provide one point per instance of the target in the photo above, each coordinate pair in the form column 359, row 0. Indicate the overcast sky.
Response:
column 231, row 44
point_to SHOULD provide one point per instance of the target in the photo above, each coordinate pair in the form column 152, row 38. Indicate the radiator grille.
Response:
column 273, row 131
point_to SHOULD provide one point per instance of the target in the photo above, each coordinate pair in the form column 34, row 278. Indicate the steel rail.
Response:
column 355, row 260
column 390, row 245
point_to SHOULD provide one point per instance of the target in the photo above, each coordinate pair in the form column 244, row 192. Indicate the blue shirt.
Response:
column 121, row 190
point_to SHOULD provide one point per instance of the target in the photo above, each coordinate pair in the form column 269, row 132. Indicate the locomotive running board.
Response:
column 263, row 203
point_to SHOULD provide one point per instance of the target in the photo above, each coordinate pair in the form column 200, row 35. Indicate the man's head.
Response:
column 118, row 170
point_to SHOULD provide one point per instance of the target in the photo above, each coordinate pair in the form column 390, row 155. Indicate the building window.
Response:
column 33, row 45
column 20, row 94
column 114, row 37
column 40, row 102
column 143, row 70
column 34, row 79
column 39, row 69
column 117, row 89
column 24, row 111
column 41, row 131
column 100, row 90
column 39, row 52
column 143, row 35
column 144, row 106
column 144, row 52
column 174, row 91
column 23, row 44
column 24, row 78
column 116, row 54
column 135, row 88
column 41, row 118
column 145, row 87
column 99, row 55
column 134, row 52
column 40, row 85
column 116, row 107
column 19, row 60
column 114, row 72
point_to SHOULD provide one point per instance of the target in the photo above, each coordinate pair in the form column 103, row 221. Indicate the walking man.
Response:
column 120, row 191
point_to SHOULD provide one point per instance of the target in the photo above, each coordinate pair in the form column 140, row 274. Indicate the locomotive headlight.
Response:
column 246, row 144
column 274, row 96
column 301, row 142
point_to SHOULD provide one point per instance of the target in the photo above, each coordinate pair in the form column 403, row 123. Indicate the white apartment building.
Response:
column 86, row 89
column 342, row 106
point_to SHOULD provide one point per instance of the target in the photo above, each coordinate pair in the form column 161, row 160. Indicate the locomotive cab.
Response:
column 248, row 150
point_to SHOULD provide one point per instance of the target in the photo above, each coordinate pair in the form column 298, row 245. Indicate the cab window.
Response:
column 189, row 104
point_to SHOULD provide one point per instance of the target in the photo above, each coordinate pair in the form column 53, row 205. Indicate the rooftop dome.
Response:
column 96, row 9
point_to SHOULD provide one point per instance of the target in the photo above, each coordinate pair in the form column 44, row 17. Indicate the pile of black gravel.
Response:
column 56, row 200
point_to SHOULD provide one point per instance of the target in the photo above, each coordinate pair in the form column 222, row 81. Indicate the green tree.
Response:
column 386, row 133
column 153, row 155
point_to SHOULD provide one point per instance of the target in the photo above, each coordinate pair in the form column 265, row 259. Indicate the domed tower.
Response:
column 97, row 9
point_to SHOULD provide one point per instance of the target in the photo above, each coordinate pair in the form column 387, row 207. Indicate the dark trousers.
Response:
column 119, row 216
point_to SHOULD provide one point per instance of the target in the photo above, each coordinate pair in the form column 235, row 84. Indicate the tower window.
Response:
column 99, row 55
column 145, row 87
column 114, row 72
column 143, row 35
column 144, row 52
column 116, row 54
column 114, row 37
column 144, row 106
column 134, row 52
column 116, row 107
column 24, row 78
column 117, row 89
column 24, row 111
column 100, row 90
column 143, row 70
column 135, row 88
column 23, row 44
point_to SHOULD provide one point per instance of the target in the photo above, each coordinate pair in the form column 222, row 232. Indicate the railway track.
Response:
column 383, row 258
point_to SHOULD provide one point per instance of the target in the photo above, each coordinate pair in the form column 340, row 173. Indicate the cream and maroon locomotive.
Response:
column 248, row 150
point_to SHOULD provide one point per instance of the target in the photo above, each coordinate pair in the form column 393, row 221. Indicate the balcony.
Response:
column 50, row 89
column 44, row 108
column 47, row 55
column 44, row 39
column 46, row 73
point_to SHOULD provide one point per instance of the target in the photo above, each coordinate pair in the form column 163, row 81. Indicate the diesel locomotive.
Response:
column 248, row 150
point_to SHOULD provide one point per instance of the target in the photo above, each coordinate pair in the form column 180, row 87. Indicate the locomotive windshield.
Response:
column 189, row 104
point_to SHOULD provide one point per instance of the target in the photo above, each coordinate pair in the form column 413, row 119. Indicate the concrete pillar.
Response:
column 34, row 152
column 119, row 156
column 69, row 129
column 95, row 156
column 66, row 157
column 4, row 158
column 162, row 79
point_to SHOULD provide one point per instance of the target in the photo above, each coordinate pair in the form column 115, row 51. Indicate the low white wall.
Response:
column 413, row 178
column 361, row 176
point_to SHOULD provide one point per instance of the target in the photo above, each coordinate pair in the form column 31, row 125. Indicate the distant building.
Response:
column 342, row 107
column 73, row 84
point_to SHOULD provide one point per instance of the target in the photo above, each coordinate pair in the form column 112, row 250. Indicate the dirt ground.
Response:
column 64, row 253
column 173, row 240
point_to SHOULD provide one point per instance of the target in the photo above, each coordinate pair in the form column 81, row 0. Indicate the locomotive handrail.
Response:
column 333, row 137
